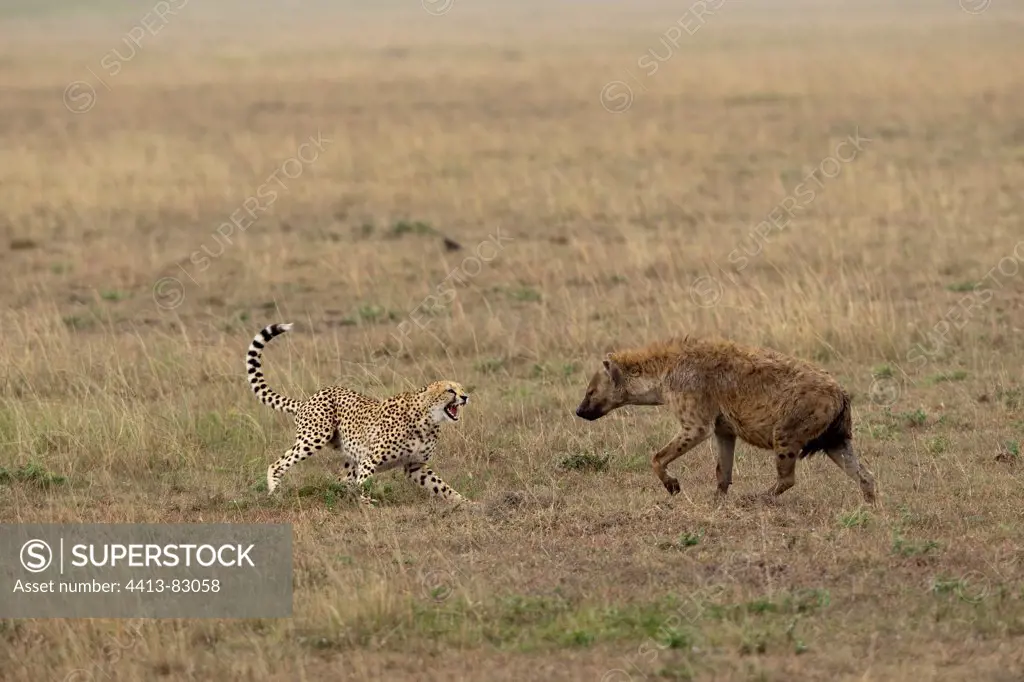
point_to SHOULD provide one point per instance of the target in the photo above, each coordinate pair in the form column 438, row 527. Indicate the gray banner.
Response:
column 145, row 570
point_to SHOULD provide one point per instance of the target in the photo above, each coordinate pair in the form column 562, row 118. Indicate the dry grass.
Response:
column 485, row 121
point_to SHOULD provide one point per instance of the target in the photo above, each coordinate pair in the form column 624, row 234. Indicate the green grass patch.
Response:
column 943, row 377
column 551, row 622
column 909, row 548
column 855, row 519
column 684, row 541
column 405, row 227
column 223, row 432
column 525, row 295
column 32, row 473
column 584, row 461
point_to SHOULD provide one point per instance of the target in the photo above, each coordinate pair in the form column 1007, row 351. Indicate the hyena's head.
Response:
column 617, row 384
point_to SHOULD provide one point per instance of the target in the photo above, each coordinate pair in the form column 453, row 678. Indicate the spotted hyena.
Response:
column 765, row 398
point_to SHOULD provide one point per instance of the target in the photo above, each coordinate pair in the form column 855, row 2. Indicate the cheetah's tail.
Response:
column 267, row 395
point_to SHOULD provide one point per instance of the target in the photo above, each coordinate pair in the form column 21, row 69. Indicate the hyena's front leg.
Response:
column 419, row 472
column 691, row 436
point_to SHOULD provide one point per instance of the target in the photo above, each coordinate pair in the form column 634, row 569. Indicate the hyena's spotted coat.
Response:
column 763, row 397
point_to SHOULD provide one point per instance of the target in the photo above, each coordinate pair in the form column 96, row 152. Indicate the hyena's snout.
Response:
column 598, row 399
column 588, row 412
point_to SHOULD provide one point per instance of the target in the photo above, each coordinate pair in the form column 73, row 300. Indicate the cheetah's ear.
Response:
column 613, row 369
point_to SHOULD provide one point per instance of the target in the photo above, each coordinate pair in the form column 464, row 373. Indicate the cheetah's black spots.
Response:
column 373, row 435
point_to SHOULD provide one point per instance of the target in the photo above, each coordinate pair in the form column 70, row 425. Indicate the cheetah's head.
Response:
column 446, row 400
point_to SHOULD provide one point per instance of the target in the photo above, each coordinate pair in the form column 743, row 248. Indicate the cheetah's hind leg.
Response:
column 304, row 447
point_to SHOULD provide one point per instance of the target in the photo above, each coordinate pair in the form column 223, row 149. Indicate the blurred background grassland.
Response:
column 620, row 228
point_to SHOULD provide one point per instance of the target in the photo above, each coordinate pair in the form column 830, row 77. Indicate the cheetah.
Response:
column 372, row 435
column 767, row 399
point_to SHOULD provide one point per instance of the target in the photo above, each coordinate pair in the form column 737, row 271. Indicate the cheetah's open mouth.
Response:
column 452, row 409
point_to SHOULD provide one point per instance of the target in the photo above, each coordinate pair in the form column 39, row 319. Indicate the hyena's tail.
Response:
column 838, row 432
column 267, row 395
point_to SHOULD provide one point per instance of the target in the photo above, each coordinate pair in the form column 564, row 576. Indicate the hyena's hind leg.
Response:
column 805, row 424
column 846, row 460
column 785, row 467
column 787, row 450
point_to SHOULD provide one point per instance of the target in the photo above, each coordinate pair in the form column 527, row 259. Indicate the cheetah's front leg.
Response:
column 365, row 470
column 419, row 472
column 349, row 466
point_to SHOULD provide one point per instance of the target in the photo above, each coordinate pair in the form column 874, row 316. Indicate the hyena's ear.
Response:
column 613, row 369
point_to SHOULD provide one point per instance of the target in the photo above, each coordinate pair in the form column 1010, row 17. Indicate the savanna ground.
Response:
column 902, row 276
